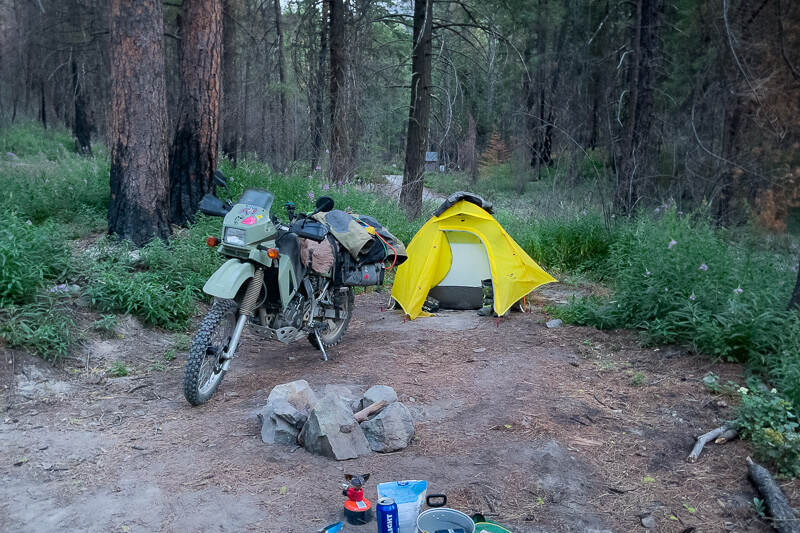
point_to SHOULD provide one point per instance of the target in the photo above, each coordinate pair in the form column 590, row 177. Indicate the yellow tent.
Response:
column 464, row 244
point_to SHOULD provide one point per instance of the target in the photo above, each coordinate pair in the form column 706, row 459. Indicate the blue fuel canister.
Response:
column 387, row 516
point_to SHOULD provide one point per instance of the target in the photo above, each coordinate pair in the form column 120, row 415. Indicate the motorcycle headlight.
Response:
column 234, row 236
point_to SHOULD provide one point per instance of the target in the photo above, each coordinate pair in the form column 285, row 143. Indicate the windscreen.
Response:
column 257, row 197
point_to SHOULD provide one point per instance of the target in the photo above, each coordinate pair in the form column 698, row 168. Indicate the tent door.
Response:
column 461, row 287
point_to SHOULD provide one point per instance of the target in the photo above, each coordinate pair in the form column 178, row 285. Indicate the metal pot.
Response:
column 442, row 518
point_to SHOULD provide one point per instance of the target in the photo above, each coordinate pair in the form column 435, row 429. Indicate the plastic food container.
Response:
column 410, row 497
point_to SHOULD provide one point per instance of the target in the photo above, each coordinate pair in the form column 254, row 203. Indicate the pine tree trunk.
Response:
column 82, row 126
column 193, row 157
column 641, row 86
column 139, row 203
column 231, row 126
column 318, row 118
column 339, row 161
column 284, row 139
column 43, row 106
column 419, row 111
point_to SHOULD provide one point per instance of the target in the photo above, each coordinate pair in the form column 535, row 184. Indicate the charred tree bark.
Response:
column 82, row 126
column 641, row 86
column 230, row 83
column 420, row 109
column 139, row 205
column 193, row 156
column 339, row 166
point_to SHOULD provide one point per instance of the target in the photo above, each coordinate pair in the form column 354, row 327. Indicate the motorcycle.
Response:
column 269, row 284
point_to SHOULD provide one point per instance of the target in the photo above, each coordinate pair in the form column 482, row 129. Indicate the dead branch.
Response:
column 363, row 414
column 783, row 516
column 720, row 435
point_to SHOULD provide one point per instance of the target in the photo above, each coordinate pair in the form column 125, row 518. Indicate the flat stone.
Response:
column 648, row 522
column 555, row 323
column 332, row 431
column 391, row 430
column 378, row 393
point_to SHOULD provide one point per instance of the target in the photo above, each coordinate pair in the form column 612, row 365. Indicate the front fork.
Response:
column 245, row 312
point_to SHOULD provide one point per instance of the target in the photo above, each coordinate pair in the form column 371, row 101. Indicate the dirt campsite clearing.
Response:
column 564, row 429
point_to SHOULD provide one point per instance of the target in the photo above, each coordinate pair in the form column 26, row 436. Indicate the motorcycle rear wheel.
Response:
column 204, row 371
column 336, row 327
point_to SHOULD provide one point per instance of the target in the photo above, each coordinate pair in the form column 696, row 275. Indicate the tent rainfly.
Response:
column 458, row 247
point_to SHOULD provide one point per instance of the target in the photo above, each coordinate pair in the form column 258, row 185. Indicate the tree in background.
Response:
column 193, row 156
column 82, row 125
column 340, row 166
column 230, row 83
column 139, row 205
column 420, row 108
column 634, row 156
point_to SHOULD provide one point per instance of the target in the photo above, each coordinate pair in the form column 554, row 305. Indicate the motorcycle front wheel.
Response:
column 335, row 328
column 204, row 371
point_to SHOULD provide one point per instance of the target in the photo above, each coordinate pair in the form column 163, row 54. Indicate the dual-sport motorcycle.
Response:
column 285, row 282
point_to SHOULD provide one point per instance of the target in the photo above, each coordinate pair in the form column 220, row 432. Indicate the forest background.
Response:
column 652, row 146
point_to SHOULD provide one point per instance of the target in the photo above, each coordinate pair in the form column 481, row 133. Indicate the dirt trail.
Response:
column 566, row 429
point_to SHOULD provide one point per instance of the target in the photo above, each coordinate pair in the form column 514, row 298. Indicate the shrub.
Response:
column 679, row 280
column 46, row 327
column 579, row 243
column 768, row 419
column 31, row 255
column 144, row 294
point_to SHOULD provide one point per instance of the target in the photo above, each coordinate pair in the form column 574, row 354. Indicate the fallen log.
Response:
column 721, row 434
column 363, row 414
column 784, row 519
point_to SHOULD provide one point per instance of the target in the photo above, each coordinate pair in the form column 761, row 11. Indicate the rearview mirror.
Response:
column 220, row 179
column 213, row 206
column 324, row 204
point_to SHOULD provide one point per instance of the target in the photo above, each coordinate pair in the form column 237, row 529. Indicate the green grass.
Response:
column 46, row 326
column 30, row 139
column 33, row 257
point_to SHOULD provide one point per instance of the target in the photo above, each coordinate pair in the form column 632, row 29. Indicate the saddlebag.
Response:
column 352, row 273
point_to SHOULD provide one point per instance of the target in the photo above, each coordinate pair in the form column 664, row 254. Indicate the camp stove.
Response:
column 357, row 509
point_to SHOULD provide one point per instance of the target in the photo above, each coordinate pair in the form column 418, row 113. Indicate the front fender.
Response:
column 228, row 279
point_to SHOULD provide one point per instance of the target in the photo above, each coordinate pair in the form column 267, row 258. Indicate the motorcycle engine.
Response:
column 293, row 315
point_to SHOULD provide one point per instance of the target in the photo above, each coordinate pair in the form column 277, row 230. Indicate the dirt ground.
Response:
column 564, row 429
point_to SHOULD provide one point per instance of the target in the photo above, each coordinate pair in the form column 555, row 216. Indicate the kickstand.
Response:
column 321, row 347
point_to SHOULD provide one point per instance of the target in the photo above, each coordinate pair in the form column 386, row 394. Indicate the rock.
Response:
column 332, row 431
column 346, row 394
column 648, row 522
column 378, row 393
column 297, row 393
column 391, row 430
column 285, row 433
column 286, row 411
column 284, row 423
column 266, row 417
column 555, row 323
